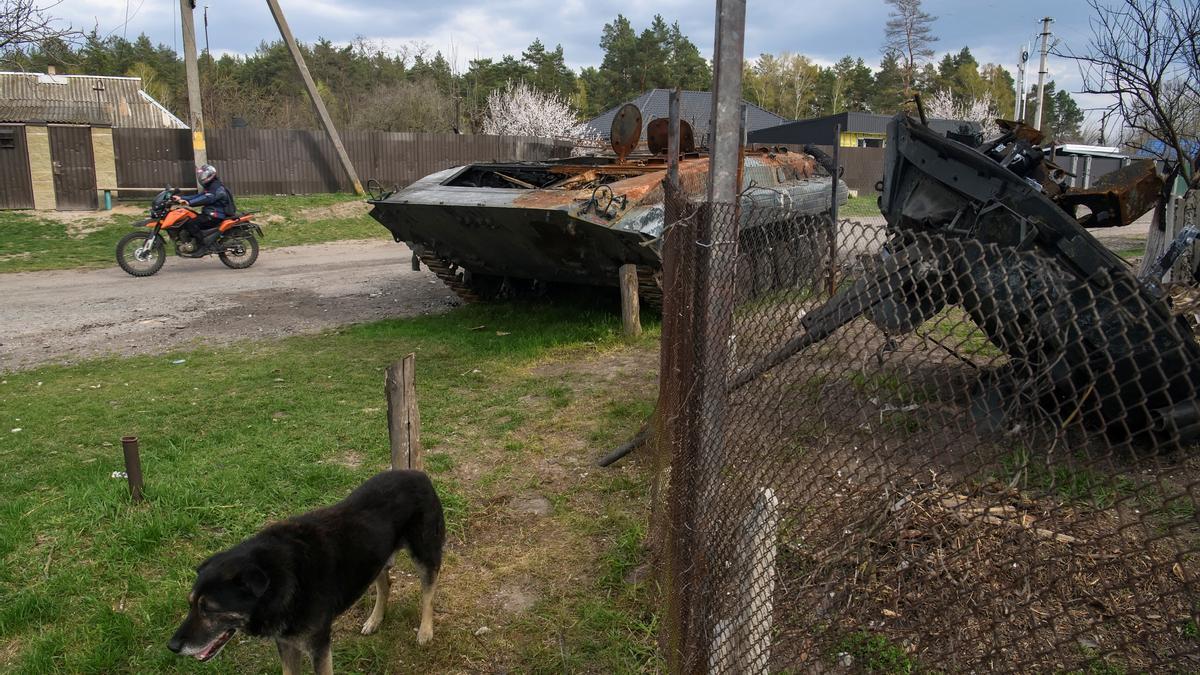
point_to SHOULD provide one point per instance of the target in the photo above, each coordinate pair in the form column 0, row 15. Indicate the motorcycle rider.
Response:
column 217, row 204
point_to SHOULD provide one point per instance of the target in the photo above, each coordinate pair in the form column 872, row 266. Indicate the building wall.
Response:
column 850, row 139
column 41, row 168
column 106, row 158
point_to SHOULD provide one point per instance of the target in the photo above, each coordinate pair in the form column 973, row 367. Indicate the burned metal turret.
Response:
column 491, row 227
column 991, row 230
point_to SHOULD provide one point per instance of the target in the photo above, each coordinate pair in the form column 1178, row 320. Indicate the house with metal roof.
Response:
column 56, row 138
column 695, row 107
column 858, row 130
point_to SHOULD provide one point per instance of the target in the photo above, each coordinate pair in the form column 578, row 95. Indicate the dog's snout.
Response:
column 175, row 644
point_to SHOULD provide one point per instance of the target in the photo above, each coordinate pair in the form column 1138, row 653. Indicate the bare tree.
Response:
column 1145, row 54
column 25, row 23
column 908, row 33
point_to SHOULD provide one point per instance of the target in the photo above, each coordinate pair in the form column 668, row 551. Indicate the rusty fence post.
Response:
column 404, row 420
column 133, row 466
column 833, row 211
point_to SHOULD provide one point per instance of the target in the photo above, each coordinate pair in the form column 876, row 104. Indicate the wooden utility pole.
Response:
column 195, row 111
column 1037, row 122
column 313, row 94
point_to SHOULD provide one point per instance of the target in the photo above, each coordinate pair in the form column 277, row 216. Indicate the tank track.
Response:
column 449, row 273
column 649, row 280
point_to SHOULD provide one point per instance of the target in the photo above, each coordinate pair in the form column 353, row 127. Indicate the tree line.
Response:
column 412, row 88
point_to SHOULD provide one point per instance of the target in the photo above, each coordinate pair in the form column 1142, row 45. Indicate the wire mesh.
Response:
column 900, row 452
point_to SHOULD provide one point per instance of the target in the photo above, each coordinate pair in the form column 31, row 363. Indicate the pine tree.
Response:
column 887, row 92
column 909, row 34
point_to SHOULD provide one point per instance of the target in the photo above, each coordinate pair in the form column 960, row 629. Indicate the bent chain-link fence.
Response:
column 919, row 453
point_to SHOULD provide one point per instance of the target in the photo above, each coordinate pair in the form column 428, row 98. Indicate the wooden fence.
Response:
column 287, row 161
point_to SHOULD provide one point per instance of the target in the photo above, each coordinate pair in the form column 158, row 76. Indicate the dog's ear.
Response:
column 255, row 580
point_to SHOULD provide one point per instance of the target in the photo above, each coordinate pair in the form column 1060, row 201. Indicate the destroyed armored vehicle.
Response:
column 991, row 228
column 490, row 228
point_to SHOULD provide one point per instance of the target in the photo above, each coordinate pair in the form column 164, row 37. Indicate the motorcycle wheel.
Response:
column 240, row 252
column 139, row 256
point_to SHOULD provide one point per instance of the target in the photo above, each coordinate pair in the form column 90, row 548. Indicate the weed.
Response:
column 874, row 653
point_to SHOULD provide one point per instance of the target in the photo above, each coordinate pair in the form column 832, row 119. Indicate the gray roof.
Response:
column 820, row 130
column 695, row 107
column 81, row 99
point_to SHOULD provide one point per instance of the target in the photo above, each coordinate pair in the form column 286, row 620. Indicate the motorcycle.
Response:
column 142, row 253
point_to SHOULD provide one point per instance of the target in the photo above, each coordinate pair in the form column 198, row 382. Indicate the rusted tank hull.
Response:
column 570, row 221
column 523, row 243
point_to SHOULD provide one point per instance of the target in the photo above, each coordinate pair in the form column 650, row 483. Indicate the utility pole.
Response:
column 315, row 95
column 195, row 111
column 1019, row 104
column 1037, row 123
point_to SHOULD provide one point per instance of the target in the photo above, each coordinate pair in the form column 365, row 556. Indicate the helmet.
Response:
column 206, row 173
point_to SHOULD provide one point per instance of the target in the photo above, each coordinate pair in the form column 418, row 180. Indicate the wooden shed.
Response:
column 56, row 140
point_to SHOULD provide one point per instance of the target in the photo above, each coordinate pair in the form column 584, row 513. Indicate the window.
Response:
column 870, row 142
column 8, row 139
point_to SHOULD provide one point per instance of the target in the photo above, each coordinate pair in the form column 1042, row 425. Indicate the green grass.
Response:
column 1135, row 252
column 1071, row 483
column 235, row 437
column 955, row 329
column 864, row 205
column 874, row 653
column 33, row 241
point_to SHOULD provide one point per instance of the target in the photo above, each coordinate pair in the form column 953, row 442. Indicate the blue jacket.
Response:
column 216, row 201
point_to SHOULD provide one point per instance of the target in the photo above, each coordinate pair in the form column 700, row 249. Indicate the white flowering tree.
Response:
column 520, row 110
column 942, row 105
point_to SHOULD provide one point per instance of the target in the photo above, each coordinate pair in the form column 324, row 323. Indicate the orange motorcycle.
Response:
column 143, row 252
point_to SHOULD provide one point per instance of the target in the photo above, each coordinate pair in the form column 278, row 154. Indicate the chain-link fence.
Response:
column 908, row 452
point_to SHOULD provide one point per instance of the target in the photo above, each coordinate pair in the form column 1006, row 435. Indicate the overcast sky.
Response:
column 466, row 29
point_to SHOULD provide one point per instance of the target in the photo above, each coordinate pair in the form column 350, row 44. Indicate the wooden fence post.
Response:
column 631, row 316
column 133, row 466
column 404, row 421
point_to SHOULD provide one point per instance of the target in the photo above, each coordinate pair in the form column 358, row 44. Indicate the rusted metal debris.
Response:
column 983, row 229
column 1118, row 198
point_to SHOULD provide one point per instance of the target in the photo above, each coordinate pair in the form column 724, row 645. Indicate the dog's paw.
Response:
column 371, row 625
column 424, row 635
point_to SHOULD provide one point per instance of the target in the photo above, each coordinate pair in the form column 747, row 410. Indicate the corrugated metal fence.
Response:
column 287, row 161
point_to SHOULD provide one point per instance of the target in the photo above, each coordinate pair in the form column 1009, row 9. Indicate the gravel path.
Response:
column 67, row 316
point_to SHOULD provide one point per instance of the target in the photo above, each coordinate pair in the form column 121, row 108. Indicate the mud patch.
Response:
column 351, row 459
column 534, row 505
column 516, row 599
column 353, row 209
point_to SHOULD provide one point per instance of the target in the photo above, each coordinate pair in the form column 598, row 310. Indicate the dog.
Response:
column 290, row 581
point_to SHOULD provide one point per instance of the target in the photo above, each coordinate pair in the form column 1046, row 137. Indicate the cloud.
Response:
column 467, row 29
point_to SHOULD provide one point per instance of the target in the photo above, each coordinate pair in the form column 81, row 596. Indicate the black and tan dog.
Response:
column 291, row 580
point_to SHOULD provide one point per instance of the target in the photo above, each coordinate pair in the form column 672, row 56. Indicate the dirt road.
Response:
column 66, row 316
